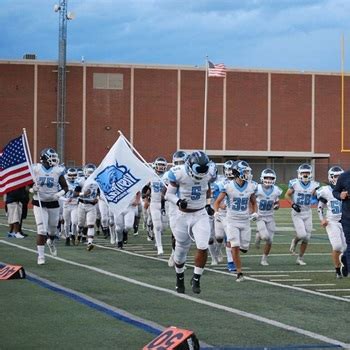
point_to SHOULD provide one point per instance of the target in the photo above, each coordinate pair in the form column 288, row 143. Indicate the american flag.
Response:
column 216, row 70
column 14, row 166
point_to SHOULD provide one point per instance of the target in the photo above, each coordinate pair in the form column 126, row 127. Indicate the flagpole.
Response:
column 205, row 106
column 29, row 160
column 143, row 159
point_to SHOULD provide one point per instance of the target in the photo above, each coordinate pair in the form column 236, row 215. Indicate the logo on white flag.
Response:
column 115, row 181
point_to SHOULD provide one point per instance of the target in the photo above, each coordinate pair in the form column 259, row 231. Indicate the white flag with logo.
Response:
column 121, row 175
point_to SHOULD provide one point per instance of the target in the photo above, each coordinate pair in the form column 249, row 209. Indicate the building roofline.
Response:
column 163, row 66
column 264, row 154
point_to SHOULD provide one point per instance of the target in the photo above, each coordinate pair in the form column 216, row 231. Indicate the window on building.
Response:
column 110, row 81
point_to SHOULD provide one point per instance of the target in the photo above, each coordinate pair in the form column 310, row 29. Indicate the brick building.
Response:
column 269, row 118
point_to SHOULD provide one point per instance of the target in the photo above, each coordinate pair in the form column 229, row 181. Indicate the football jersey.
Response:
column 333, row 204
column 303, row 192
column 193, row 190
column 47, row 181
column 69, row 195
column 238, row 198
column 91, row 190
column 266, row 198
column 157, row 188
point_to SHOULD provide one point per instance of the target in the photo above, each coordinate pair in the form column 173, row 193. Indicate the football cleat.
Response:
column 240, row 277
column 214, row 261
column 195, row 283
column 160, row 251
column 41, row 260
column 301, row 262
column 293, row 246
column 343, row 265
column 264, row 262
column 52, row 247
column 89, row 247
column 180, row 283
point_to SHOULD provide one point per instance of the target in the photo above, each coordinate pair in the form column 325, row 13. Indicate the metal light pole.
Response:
column 61, row 76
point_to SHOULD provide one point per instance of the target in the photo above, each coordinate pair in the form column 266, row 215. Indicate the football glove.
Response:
column 296, row 207
column 209, row 210
column 182, row 203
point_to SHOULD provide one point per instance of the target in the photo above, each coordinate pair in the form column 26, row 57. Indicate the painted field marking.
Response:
column 268, row 276
column 196, row 300
column 314, row 284
column 294, row 271
column 291, row 280
column 334, row 290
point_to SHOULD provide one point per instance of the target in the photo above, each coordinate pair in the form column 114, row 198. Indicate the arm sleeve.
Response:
column 171, row 193
column 320, row 206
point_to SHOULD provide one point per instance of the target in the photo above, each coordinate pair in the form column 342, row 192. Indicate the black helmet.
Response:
column 198, row 164
column 49, row 156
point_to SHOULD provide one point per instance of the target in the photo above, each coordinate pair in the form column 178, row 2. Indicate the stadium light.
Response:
column 61, row 9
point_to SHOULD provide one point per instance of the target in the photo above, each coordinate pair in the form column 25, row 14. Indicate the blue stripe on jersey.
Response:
column 268, row 191
column 215, row 190
column 171, row 176
column 240, row 188
column 305, row 186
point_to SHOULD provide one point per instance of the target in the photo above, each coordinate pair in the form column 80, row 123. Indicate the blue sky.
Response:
column 263, row 34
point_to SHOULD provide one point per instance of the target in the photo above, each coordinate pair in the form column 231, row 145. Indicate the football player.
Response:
column 179, row 158
column 48, row 177
column 267, row 197
column 157, row 197
column 220, row 218
column 332, row 219
column 189, row 189
column 240, row 197
column 124, row 221
column 299, row 194
column 88, row 198
column 70, row 206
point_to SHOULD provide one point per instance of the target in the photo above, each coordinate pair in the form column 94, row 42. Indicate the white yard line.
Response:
column 268, row 276
column 334, row 290
column 291, row 280
column 314, row 285
column 196, row 300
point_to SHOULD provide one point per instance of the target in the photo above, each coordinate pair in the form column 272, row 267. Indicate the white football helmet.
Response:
column 268, row 177
column 179, row 157
column 228, row 169
column 160, row 165
column 305, row 172
column 72, row 174
column 333, row 173
column 89, row 169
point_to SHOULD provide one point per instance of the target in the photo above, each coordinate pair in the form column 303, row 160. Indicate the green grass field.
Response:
column 112, row 299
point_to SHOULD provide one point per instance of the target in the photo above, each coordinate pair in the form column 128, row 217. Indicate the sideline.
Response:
column 231, row 310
